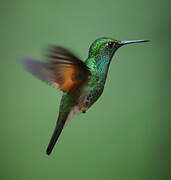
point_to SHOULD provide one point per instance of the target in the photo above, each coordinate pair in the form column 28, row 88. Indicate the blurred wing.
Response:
column 63, row 69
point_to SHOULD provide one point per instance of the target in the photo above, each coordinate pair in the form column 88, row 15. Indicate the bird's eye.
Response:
column 110, row 44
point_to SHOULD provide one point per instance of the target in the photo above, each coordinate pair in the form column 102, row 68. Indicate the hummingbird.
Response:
column 82, row 83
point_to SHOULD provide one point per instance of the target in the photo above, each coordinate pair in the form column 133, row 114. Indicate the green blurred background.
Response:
column 126, row 134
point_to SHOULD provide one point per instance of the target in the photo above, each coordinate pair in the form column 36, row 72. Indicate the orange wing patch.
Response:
column 63, row 69
column 68, row 76
column 65, row 77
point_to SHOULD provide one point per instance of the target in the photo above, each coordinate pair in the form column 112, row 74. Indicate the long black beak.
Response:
column 124, row 42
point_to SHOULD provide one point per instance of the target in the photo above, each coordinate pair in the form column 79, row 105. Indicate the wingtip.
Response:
column 21, row 58
column 24, row 60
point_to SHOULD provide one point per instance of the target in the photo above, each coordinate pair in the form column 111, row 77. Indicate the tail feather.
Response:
column 55, row 136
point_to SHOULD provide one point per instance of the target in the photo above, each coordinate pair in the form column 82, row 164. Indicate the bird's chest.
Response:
column 89, row 97
column 89, row 94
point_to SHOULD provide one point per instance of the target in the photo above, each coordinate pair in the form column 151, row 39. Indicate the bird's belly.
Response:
column 92, row 96
column 77, row 109
column 84, row 102
column 74, row 111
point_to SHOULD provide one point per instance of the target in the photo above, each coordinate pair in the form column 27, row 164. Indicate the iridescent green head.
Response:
column 101, row 46
column 102, row 50
column 107, row 46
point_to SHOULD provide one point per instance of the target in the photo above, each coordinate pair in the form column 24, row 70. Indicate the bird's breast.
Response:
column 89, row 98
column 88, row 95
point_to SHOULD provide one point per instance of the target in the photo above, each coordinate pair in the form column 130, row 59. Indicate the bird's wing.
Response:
column 63, row 69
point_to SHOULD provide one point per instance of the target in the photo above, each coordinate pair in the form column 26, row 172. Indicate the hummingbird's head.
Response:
column 107, row 46
column 102, row 50
column 103, row 46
